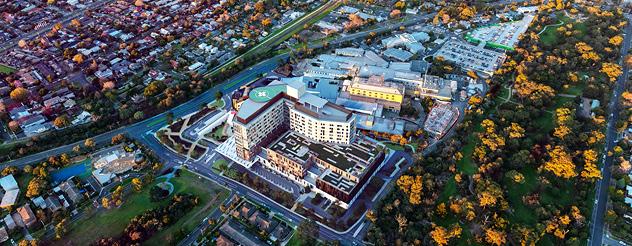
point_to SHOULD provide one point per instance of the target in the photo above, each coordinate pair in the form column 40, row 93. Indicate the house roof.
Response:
column 9, row 198
column 8, row 182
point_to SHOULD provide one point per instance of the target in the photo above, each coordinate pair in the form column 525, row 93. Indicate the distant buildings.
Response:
column 411, row 42
column 398, row 54
column 503, row 35
column 431, row 86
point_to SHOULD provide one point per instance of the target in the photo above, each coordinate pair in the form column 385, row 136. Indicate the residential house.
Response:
column 71, row 191
column 11, row 191
column 25, row 216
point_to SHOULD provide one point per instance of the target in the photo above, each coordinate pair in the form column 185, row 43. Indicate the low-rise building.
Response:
column 375, row 89
column 440, row 119
column 26, row 216
column 431, row 86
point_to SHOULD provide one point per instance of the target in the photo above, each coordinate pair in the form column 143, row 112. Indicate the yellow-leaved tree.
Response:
column 560, row 163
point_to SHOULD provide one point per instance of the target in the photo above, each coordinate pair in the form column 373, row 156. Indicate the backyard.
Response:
column 90, row 228
column 6, row 69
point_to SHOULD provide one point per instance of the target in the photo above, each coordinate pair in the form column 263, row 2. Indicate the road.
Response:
column 599, row 210
column 64, row 20
column 154, row 123
column 192, row 237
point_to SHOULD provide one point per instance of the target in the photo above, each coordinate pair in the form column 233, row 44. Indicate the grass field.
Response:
column 466, row 164
column 550, row 36
column 90, row 228
column 394, row 146
column 293, row 241
column 448, row 191
column 211, row 196
column 217, row 164
column 6, row 69
column 522, row 214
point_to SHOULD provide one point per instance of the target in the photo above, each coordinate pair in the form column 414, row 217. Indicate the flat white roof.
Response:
column 9, row 198
column 8, row 182
column 313, row 100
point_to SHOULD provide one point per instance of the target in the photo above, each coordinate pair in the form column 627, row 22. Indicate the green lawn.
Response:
column 522, row 214
column 293, row 241
column 217, row 133
column 217, row 164
column 211, row 196
column 466, row 165
column 448, row 191
column 549, row 36
column 576, row 90
column 90, row 228
column 393, row 146
column 218, row 104
column 6, row 69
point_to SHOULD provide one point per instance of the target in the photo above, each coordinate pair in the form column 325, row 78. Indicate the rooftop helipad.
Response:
column 264, row 94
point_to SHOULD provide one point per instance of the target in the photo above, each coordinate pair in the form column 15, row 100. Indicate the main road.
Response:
column 599, row 211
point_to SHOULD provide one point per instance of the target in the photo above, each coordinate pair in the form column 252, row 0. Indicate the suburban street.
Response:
column 601, row 202
column 65, row 20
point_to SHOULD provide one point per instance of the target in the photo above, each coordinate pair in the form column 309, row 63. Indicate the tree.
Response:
column 612, row 70
column 89, row 143
column 61, row 121
column 308, row 231
column 515, row 131
column 105, row 202
column 560, row 163
column 9, row 170
column 78, row 58
column 371, row 216
column 118, row 138
column 60, row 229
column 495, row 237
column 14, row 126
column 76, row 23
column 266, row 22
column 64, row 159
column 616, row 40
column 591, row 171
column 76, row 149
column 402, row 222
column 137, row 184
column 28, row 169
column 139, row 115
column 36, row 186
column 19, row 94
column 218, row 95
column 156, row 193
column 25, row 242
